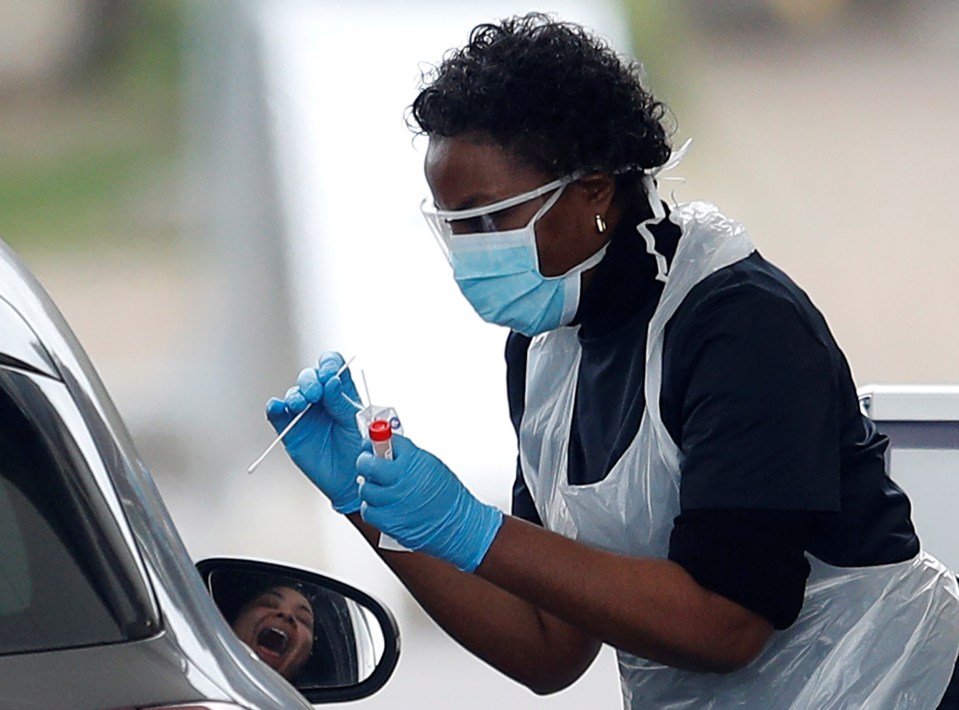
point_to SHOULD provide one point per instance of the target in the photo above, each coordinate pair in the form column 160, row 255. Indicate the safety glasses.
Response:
column 449, row 224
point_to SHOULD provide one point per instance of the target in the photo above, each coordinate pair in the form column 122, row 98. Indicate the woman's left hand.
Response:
column 419, row 502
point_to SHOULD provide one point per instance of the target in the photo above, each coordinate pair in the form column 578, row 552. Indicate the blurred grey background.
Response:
column 215, row 193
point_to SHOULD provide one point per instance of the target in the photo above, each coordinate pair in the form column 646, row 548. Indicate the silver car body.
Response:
column 183, row 651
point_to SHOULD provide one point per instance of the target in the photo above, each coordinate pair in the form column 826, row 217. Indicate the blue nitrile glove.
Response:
column 325, row 442
column 420, row 503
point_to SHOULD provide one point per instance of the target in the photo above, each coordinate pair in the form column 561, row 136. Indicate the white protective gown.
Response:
column 881, row 637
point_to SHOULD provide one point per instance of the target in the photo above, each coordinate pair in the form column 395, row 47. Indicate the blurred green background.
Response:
column 91, row 137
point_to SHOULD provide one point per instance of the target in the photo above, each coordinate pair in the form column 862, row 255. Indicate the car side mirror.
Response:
column 330, row 640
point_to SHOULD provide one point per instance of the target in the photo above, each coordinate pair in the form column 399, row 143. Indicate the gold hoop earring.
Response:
column 600, row 224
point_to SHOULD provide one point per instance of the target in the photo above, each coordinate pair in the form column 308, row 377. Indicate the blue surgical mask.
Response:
column 498, row 271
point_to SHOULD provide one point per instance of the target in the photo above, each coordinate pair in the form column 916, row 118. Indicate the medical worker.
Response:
column 696, row 485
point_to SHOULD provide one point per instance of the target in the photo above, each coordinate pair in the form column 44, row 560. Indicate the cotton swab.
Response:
column 286, row 429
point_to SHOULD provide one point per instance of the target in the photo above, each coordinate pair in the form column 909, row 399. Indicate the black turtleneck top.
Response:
column 778, row 461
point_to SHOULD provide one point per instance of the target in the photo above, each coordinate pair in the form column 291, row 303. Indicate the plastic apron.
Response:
column 875, row 637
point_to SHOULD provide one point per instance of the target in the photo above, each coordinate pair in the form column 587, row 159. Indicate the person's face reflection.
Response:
column 278, row 625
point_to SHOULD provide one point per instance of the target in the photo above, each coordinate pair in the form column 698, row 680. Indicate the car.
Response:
column 100, row 603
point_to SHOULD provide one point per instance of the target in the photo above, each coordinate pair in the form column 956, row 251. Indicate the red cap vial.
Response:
column 380, row 430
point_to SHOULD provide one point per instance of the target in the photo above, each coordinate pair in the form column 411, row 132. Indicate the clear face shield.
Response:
column 486, row 219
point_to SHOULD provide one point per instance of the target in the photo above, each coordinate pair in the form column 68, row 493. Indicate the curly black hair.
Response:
column 551, row 93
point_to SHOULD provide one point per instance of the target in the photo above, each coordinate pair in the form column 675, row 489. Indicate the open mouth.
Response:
column 273, row 641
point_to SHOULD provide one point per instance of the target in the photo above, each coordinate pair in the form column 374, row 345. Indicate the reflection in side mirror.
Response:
column 328, row 639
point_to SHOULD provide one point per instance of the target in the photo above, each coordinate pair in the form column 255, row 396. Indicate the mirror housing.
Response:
column 355, row 639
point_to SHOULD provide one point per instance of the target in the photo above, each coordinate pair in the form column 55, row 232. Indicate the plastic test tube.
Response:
column 381, row 434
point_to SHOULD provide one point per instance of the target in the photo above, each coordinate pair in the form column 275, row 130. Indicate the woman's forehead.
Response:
column 286, row 594
column 467, row 171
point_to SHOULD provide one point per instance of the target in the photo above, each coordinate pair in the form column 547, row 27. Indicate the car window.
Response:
column 55, row 587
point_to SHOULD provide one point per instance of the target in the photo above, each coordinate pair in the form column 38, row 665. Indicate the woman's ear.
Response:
column 598, row 189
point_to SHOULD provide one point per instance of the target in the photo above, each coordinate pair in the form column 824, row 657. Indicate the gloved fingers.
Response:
column 309, row 384
column 404, row 448
column 295, row 401
column 341, row 407
column 369, row 514
column 374, row 516
column 277, row 414
column 374, row 494
column 380, row 472
column 328, row 365
column 349, row 387
column 382, row 518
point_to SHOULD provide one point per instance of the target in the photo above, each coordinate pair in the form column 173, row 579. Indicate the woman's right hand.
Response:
column 324, row 444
